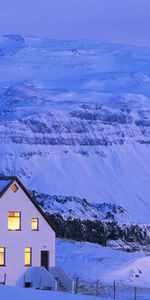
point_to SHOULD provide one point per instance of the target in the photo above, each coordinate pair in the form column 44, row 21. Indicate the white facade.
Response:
column 15, row 242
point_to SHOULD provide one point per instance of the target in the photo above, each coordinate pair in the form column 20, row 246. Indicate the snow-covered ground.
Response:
column 10, row 293
column 94, row 262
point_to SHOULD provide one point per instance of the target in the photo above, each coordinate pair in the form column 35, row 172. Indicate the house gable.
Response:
column 7, row 182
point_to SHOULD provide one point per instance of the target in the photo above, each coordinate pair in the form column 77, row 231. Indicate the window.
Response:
column 35, row 224
column 14, row 220
column 2, row 256
column 28, row 257
column 14, row 188
column 28, row 284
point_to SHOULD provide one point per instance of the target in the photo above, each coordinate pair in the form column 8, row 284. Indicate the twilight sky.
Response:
column 121, row 21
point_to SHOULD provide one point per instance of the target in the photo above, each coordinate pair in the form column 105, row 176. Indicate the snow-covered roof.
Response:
column 4, row 183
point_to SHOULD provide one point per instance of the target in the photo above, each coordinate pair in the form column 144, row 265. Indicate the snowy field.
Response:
column 92, row 262
column 9, row 293
column 12, row 293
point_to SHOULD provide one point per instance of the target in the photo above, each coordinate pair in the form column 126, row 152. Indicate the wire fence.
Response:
column 115, row 291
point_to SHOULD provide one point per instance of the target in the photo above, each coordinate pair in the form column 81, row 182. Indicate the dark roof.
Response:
column 6, row 182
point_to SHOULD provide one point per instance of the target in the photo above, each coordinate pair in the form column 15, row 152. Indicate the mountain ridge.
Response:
column 74, row 119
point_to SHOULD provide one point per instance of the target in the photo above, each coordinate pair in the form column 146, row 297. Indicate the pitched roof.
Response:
column 3, row 184
column 6, row 182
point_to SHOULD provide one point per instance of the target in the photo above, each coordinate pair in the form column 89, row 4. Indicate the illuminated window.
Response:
column 14, row 220
column 35, row 224
column 14, row 188
column 2, row 256
column 28, row 257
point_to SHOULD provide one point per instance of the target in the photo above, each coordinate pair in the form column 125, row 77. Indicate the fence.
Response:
column 115, row 291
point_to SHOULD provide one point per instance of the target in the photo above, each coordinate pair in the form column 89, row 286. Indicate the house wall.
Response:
column 16, row 241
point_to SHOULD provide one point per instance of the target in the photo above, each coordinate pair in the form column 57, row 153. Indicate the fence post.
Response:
column 114, row 289
column 40, row 283
column 4, row 278
column 97, row 287
column 24, row 280
column 135, row 293
column 76, row 285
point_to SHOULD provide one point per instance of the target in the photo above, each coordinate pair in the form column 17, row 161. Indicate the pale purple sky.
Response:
column 121, row 21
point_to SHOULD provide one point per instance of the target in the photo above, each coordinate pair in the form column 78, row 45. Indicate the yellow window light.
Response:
column 35, row 224
column 28, row 256
column 14, row 220
column 14, row 188
column 2, row 256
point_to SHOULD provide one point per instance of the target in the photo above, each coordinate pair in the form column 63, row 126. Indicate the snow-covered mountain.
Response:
column 76, row 208
column 75, row 119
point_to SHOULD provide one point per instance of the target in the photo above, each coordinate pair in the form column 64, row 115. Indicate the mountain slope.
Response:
column 76, row 208
column 75, row 119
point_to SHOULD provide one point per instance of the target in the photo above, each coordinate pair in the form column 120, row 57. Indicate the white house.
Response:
column 27, row 241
